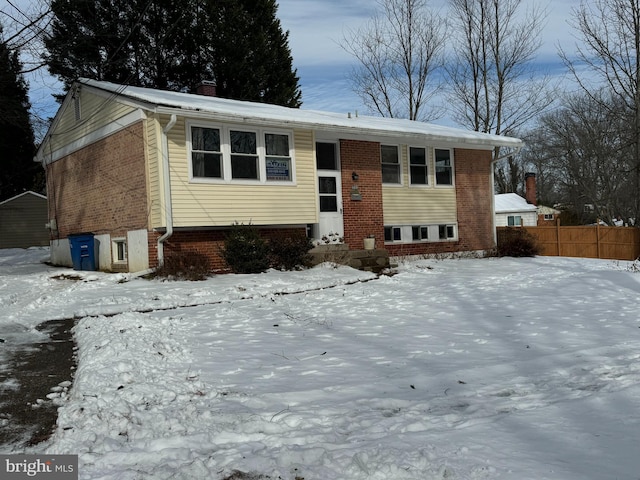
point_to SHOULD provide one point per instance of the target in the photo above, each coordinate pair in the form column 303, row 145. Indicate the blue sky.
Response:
column 316, row 29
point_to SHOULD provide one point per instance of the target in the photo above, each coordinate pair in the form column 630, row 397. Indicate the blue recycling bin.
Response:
column 83, row 251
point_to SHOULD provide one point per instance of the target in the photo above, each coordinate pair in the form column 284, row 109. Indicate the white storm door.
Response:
column 329, row 192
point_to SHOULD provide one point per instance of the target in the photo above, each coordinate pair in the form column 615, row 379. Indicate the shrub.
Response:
column 244, row 250
column 517, row 242
column 185, row 266
column 290, row 252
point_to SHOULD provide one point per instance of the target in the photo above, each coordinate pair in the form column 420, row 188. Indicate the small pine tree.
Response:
column 245, row 251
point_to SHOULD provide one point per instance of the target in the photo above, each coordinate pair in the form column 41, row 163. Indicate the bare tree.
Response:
column 399, row 54
column 610, row 32
column 586, row 143
column 25, row 24
column 494, row 86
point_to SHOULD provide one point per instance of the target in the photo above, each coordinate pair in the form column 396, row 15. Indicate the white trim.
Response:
column 95, row 136
column 225, row 150
column 114, row 250
column 400, row 164
column 452, row 166
column 433, row 233
column 20, row 195
column 427, row 165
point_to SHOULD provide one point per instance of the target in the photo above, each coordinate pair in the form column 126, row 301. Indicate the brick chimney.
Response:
column 530, row 187
column 206, row 88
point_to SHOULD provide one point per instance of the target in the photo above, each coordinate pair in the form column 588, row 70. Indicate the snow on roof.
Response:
column 357, row 124
column 544, row 210
column 512, row 202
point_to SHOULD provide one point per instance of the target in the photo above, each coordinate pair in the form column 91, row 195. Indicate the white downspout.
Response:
column 493, row 186
column 167, row 189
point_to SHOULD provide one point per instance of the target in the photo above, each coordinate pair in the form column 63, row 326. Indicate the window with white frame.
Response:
column 119, row 250
column 419, row 233
column 244, row 155
column 444, row 167
column 548, row 216
column 235, row 155
column 418, row 168
column 392, row 234
column 206, row 153
column 390, row 161
column 278, row 157
column 514, row 220
column 447, row 232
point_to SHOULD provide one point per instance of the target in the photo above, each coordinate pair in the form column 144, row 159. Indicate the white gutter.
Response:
column 167, row 189
column 493, row 196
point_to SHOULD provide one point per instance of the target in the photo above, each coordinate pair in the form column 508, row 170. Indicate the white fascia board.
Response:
column 346, row 132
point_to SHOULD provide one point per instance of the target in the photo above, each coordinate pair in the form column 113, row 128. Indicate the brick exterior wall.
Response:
column 208, row 243
column 101, row 188
column 361, row 218
column 474, row 195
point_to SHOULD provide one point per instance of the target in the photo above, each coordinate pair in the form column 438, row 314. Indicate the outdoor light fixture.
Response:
column 355, row 176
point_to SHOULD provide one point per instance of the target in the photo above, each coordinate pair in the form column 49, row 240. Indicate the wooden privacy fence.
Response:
column 617, row 243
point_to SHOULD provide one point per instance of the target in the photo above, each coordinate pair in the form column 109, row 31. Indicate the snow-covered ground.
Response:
column 451, row 369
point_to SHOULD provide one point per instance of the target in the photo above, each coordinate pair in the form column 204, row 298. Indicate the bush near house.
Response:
column 188, row 265
column 516, row 242
column 290, row 252
column 245, row 251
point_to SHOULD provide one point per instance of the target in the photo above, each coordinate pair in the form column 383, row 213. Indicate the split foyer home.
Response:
column 150, row 173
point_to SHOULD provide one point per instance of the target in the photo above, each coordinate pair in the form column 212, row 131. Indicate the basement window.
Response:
column 119, row 250
column 447, row 232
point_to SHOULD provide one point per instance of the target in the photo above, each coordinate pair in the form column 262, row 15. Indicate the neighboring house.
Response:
column 547, row 216
column 513, row 211
column 22, row 221
column 153, row 172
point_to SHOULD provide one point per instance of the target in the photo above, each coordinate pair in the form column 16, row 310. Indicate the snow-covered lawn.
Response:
column 451, row 369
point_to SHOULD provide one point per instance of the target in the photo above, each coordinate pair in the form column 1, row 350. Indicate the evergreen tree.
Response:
column 18, row 171
column 251, row 58
column 174, row 45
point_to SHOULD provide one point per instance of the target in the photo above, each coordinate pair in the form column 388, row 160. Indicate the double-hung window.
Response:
column 444, row 167
column 244, row 155
column 390, row 164
column 418, row 169
column 278, row 157
column 206, row 154
column 230, row 154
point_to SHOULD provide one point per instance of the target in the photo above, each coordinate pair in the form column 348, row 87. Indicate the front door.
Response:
column 331, row 227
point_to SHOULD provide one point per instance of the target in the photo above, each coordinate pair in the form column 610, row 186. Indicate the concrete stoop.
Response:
column 367, row 260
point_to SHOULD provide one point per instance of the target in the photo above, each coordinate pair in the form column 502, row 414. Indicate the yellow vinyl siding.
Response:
column 216, row 204
column 413, row 205
column 153, row 153
column 95, row 112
